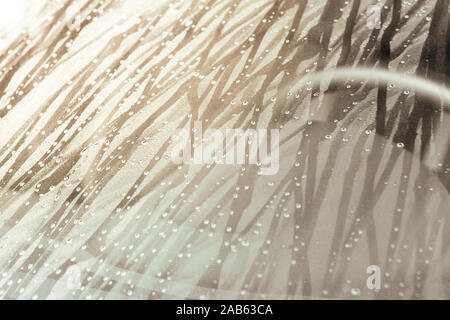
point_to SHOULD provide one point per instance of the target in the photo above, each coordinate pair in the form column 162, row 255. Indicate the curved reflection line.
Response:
column 428, row 87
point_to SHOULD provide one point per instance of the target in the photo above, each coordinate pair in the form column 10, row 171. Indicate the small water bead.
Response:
column 355, row 292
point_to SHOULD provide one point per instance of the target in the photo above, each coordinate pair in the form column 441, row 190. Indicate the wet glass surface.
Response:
column 99, row 199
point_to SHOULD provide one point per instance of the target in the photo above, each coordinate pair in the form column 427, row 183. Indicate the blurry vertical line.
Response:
column 385, row 54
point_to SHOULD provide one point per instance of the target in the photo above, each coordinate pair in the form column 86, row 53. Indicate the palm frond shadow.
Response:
column 86, row 176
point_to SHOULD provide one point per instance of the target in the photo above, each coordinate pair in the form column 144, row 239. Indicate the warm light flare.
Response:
column 11, row 14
